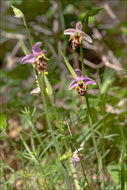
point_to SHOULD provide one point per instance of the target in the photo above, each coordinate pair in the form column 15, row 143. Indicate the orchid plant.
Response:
column 80, row 83
column 77, row 35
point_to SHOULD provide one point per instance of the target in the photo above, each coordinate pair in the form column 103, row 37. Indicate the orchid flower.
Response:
column 36, row 91
column 76, row 156
column 77, row 35
column 38, row 58
column 81, row 83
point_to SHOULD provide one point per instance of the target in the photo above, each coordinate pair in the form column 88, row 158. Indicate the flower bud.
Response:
column 17, row 12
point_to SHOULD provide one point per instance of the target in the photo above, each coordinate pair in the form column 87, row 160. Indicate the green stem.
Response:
column 91, row 126
column 99, row 159
column 24, row 48
column 28, row 32
column 82, row 63
column 83, row 170
column 47, row 114
column 103, row 131
column 74, row 174
column 55, row 112
column 73, row 171
column 60, row 125
column 52, row 132
column 123, row 173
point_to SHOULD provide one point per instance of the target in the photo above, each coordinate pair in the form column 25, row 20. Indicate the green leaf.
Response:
column 125, row 31
column 49, row 89
column 88, row 14
column 69, row 9
column 114, row 171
column 69, row 66
column 50, row 13
column 95, row 11
column 107, row 80
column 3, row 122
column 17, row 12
column 18, row 2
column 24, row 48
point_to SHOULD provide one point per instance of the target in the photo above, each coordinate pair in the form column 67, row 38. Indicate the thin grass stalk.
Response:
column 24, row 48
column 82, row 63
column 74, row 174
column 35, row 131
column 47, row 115
column 123, row 172
column 33, row 155
column 83, row 170
column 27, row 30
column 61, row 16
column 4, row 175
column 99, row 160
column 72, row 168
column 52, row 132
column 91, row 126
column 56, row 116
column 103, row 133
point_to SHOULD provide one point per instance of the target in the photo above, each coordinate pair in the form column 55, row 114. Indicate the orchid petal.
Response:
column 73, row 84
column 70, row 31
column 28, row 59
column 88, row 81
column 75, row 159
column 80, row 78
column 35, row 91
column 79, row 26
column 44, row 51
column 78, row 72
column 86, row 37
column 79, row 149
column 36, row 49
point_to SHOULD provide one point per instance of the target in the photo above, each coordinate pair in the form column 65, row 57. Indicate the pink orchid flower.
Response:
column 76, row 156
column 38, row 58
column 81, row 83
column 77, row 35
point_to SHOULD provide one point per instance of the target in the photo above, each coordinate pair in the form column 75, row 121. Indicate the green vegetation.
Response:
column 39, row 135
